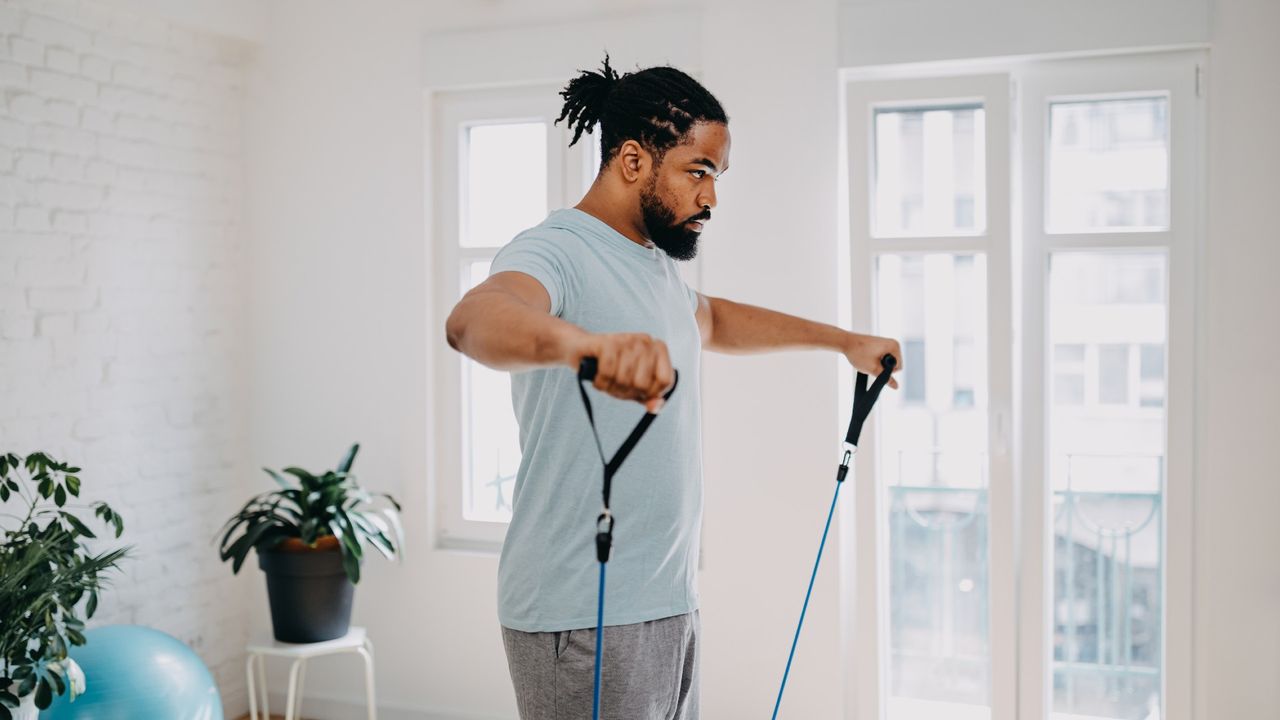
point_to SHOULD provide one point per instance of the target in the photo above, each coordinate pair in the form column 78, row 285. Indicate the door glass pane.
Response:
column 1108, row 165
column 930, row 172
column 491, row 444
column 932, row 459
column 504, row 181
column 1107, row 474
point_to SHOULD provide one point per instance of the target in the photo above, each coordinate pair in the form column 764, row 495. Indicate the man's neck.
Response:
column 611, row 210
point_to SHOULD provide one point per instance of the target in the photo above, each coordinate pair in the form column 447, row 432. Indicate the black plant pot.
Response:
column 310, row 594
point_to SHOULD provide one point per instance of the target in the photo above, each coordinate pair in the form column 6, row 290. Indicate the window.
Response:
column 1068, row 374
column 1108, row 165
column 1107, row 475
column 932, row 455
column 1110, row 156
column 1089, row 616
column 925, row 530
column 501, row 166
column 1151, row 375
column 929, row 171
column 504, row 174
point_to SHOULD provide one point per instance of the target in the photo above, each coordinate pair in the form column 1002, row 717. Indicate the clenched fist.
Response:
column 865, row 351
column 629, row 366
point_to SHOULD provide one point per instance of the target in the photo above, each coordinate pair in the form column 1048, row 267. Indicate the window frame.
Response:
column 569, row 171
column 1021, row 541
column 1175, row 75
column 866, row 674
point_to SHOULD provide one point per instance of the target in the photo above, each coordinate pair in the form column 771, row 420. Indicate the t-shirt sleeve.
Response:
column 546, row 260
column 693, row 298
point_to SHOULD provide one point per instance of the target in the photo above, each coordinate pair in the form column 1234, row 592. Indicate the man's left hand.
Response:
column 865, row 351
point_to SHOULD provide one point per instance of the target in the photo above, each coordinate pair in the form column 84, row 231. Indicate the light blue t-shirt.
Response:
column 548, row 575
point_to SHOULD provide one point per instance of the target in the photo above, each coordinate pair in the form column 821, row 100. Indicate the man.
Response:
column 599, row 280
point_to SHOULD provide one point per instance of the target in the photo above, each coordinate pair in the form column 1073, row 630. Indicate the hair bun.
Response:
column 585, row 97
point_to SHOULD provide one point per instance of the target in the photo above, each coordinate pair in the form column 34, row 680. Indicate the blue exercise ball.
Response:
column 133, row 672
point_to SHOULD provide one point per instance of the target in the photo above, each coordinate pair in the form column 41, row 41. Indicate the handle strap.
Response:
column 864, row 398
column 587, row 373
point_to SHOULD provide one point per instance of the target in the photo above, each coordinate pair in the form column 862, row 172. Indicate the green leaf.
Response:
column 345, row 465
column 60, row 496
column 77, row 525
column 391, row 500
column 73, row 485
column 350, row 560
column 309, row 528
column 56, row 674
column 280, row 480
column 306, row 479
column 91, row 606
column 240, row 549
column 44, row 694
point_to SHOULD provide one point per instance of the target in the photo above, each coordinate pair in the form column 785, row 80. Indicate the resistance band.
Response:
column 863, row 400
column 604, row 523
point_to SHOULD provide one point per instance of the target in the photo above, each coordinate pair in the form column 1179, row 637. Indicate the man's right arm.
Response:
column 505, row 323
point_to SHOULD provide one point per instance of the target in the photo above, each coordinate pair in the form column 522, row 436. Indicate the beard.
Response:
column 670, row 235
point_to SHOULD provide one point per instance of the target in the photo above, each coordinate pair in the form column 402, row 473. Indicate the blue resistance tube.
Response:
column 864, row 399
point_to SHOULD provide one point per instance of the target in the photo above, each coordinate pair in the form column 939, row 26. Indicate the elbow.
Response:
column 453, row 330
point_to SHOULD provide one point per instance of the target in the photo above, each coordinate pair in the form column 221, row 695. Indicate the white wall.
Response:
column 880, row 32
column 1237, row 536
column 771, row 427
column 121, row 260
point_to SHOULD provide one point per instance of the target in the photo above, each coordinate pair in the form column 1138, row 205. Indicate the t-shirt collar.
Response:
column 602, row 230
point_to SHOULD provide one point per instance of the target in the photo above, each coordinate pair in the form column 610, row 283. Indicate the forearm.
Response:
column 497, row 330
column 739, row 328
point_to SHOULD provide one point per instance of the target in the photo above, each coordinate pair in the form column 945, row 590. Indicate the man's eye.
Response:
column 698, row 173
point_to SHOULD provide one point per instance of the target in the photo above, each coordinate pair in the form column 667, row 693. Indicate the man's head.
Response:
column 664, row 139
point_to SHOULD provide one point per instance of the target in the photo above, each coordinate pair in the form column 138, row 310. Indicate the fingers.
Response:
column 633, row 366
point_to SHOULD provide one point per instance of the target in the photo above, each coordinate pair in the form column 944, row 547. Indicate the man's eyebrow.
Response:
column 708, row 163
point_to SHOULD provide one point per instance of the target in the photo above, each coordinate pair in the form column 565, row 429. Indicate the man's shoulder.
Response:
column 551, row 233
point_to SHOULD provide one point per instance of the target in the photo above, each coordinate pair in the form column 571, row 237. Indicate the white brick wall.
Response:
column 121, row 321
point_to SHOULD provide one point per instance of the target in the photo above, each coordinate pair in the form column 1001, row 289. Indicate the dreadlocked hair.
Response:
column 656, row 107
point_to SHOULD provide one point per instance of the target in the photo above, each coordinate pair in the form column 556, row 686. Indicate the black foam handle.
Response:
column 888, row 362
column 864, row 398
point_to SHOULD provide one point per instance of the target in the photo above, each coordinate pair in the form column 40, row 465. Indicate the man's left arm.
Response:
column 737, row 328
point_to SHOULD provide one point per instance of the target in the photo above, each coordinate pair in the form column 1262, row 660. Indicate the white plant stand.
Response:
column 355, row 641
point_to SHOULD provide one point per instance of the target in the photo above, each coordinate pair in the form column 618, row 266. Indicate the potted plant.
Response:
column 310, row 535
column 46, row 570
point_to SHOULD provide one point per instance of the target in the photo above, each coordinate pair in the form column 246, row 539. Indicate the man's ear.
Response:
column 633, row 160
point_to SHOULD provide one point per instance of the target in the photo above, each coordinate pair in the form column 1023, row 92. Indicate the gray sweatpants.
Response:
column 650, row 671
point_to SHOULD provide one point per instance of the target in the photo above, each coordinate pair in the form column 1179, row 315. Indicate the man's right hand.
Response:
column 629, row 366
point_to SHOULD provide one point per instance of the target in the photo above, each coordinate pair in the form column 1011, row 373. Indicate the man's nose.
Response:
column 707, row 198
